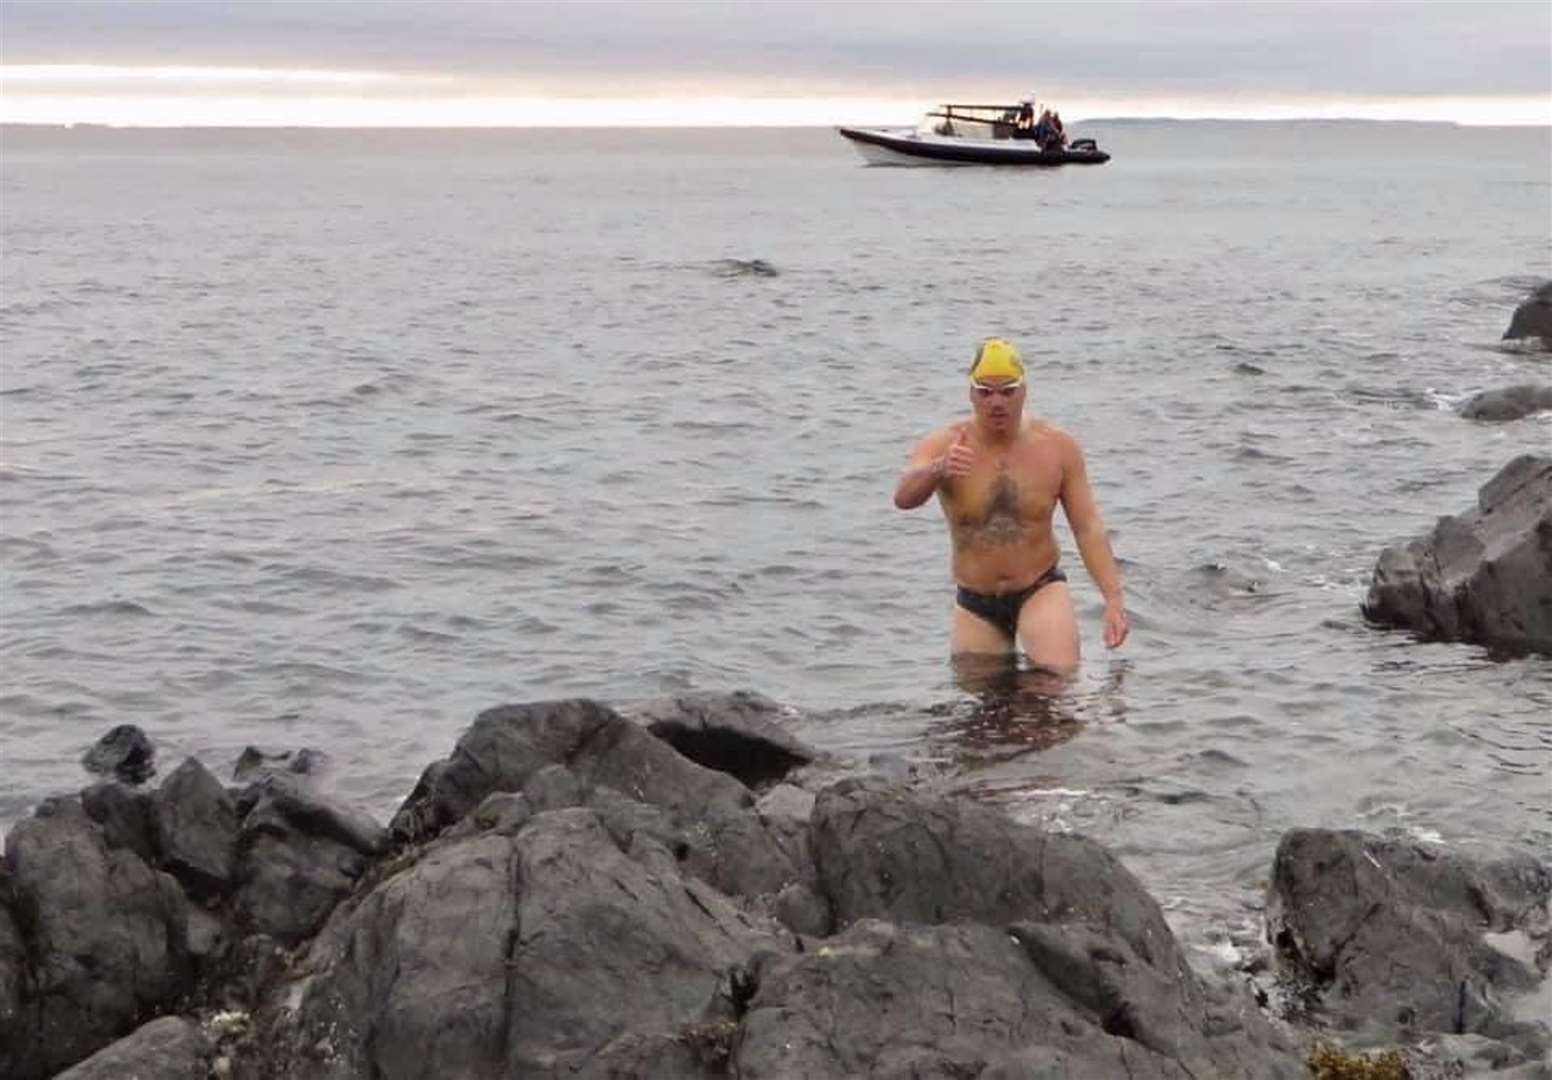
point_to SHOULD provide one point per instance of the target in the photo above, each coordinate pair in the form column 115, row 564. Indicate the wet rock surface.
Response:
column 572, row 896
column 297, row 855
column 125, row 753
column 508, row 745
column 739, row 734
column 195, row 826
column 1533, row 317
column 1394, row 940
column 1483, row 576
column 102, row 937
column 1509, row 402
column 170, row 1048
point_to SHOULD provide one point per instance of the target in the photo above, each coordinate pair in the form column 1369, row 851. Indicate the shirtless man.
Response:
column 999, row 477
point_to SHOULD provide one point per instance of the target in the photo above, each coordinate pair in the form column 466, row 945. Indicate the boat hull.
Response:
column 880, row 146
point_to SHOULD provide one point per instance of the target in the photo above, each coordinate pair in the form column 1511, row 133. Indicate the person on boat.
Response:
column 1025, row 121
column 1044, row 133
column 999, row 476
column 1058, row 132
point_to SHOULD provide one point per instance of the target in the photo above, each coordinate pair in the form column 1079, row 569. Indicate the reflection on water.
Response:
column 1012, row 708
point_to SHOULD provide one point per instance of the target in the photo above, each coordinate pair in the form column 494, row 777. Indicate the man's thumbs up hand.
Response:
column 959, row 457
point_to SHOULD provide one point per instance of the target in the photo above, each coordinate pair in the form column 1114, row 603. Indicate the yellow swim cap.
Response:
column 996, row 358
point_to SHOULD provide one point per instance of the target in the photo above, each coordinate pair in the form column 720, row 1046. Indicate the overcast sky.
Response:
column 418, row 58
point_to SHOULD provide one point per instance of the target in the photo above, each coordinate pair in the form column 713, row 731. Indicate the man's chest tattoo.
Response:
column 1001, row 525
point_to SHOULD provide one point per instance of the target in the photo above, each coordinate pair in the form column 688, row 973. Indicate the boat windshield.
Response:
column 971, row 121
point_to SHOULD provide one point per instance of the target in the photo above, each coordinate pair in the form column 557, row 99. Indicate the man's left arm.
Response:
column 1088, row 529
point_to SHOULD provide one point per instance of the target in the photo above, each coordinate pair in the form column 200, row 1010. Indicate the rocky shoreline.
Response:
column 1482, row 576
column 684, row 890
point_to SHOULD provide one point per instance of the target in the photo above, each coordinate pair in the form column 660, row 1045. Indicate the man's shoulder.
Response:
column 1044, row 431
column 948, row 432
column 936, row 441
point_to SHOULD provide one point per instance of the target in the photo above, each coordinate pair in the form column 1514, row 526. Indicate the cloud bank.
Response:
column 1232, row 57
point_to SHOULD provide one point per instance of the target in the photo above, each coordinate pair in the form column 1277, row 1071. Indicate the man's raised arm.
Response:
column 926, row 471
column 943, row 455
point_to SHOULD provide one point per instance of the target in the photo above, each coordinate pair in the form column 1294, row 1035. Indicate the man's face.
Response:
column 997, row 400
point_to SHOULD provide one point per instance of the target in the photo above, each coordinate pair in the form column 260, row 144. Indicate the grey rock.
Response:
column 1534, row 1070
column 693, row 1052
column 1484, row 576
column 745, row 268
column 254, row 764
column 734, row 851
column 666, row 958
column 891, row 766
column 124, row 815
column 104, row 933
column 282, row 803
column 205, row 935
column 1386, row 936
column 803, row 911
column 290, row 883
column 1083, row 921
column 737, row 733
column 942, row 1001
column 502, row 813
column 642, row 831
column 1469, row 1054
column 412, row 980
column 171, row 1048
column 18, row 1017
column 554, row 787
column 883, row 852
column 125, row 752
column 1170, row 1013
column 786, row 801
column 1533, row 318
column 1509, row 402
column 520, row 955
column 576, row 898
column 508, row 745
column 195, row 824
column 251, row 967
column 301, row 854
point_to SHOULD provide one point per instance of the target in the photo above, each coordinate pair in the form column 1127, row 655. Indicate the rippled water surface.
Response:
column 336, row 438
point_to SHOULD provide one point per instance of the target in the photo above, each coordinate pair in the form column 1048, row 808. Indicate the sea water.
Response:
column 335, row 438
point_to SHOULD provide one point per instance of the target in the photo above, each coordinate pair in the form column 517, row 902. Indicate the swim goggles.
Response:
column 986, row 390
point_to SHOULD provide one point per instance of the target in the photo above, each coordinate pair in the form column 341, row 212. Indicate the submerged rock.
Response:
column 1483, row 576
column 745, row 268
column 1509, row 402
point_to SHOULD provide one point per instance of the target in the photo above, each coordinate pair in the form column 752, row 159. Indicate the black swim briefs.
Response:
column 1002, row 609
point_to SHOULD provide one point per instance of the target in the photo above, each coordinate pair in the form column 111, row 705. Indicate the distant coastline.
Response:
column 1116, row 121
